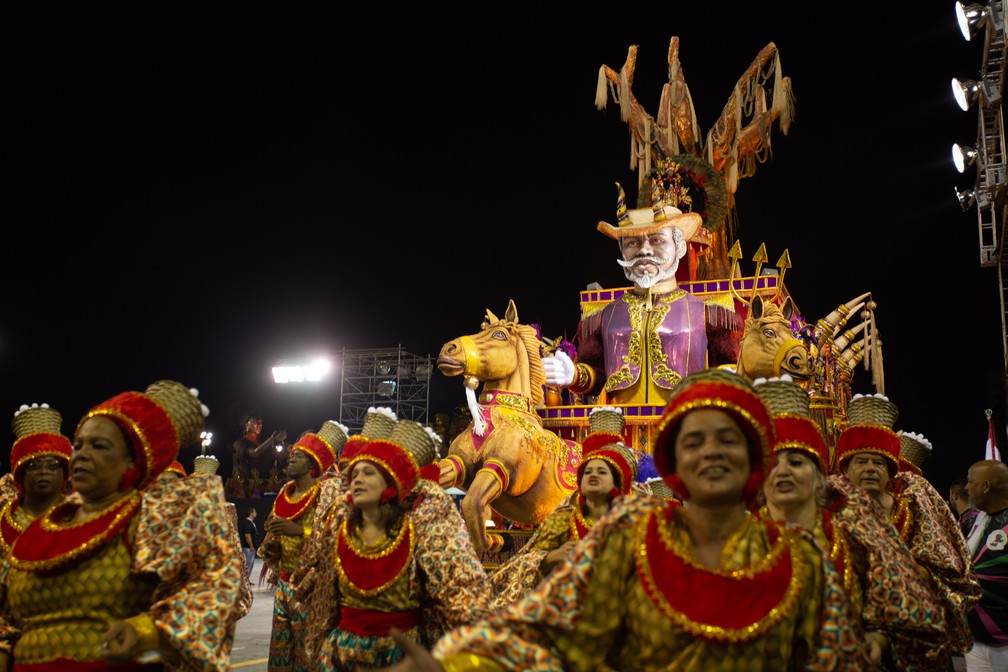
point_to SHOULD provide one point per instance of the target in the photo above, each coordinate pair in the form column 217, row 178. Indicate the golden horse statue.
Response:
column 505, row 458
column 769, row 346
column 820, row 357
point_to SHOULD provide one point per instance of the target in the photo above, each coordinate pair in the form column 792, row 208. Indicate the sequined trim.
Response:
column 47, row 543
column 579, row 525
column 10, row 529
column 901, row 517
column 369, row 573
column 763, row 594
column 293, row 509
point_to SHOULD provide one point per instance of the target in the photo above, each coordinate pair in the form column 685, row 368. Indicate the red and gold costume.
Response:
column 157, row 557
column 886, row 589
column 570, row 521
column 523, row 571
column 920, row 517
column 38, row 436
column 634, row 599
column 281, row 552
column 425, row 578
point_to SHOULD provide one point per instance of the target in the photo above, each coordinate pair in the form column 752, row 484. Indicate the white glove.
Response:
column 559, row 369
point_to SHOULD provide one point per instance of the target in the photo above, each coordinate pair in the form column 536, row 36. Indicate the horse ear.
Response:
column 756, row 309
column 511, row 314
column 491, row 318
column 788, row 308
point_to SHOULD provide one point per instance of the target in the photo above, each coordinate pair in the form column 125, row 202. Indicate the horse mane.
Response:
column 537, row 377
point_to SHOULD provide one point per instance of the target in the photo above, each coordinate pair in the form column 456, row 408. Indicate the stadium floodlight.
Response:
column 964, row 156
column 298, row 372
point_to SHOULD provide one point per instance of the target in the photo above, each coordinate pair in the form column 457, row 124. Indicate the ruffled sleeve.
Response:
column 457, row 588
column 521, row 572
column 183, row 538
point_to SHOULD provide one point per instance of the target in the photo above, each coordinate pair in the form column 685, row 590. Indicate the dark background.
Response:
column 194, row 193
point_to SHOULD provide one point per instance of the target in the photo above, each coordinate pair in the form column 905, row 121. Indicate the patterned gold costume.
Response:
column 926, row 524
column 522, row 571
column 425, row 577
column 281, row 553
column 161, row 557
column 634, row 599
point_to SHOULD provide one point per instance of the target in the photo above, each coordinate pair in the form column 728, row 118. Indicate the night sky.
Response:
column 198, row 193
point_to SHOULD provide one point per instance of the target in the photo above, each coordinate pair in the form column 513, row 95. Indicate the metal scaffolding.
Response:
column 390, row 377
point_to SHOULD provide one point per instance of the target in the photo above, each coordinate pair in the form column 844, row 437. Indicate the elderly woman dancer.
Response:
column 38, row 477
column 392, row 552
column 607, row 471
column 904, row 622
column 132, row 572
column 700, row 586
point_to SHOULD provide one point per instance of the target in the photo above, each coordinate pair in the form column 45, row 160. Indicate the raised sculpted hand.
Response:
column 559, row 369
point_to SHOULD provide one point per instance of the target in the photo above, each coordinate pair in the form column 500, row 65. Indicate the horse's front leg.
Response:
column 487, row 485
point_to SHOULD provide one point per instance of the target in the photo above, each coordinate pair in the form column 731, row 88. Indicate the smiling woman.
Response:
column 648, row 586
column 392, row 554
column 607, row 471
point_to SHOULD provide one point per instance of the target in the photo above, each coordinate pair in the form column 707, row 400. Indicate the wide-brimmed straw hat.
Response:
column 645, row 221
column 685, row 192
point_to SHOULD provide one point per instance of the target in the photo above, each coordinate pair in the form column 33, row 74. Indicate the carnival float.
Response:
column 520, row 452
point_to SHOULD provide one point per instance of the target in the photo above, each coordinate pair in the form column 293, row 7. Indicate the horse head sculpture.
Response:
column 769, row 346
column 504, row 458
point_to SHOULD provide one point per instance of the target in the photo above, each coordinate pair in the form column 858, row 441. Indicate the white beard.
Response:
column 647, row 280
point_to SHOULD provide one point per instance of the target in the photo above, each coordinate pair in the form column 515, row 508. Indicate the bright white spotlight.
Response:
column 281, row 375
column 964, row 92
column 317, row 369
column 969, row 18
column 963, row 156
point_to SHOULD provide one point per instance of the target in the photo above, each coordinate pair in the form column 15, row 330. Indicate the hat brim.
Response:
column 687, row 223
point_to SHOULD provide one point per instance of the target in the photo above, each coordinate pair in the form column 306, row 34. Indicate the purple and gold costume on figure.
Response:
column 425, row 578
column 663, row 339
column 634, row 599
column 161, row 557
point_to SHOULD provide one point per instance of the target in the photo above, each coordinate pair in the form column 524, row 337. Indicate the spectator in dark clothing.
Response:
column 964, row 511
column 249, row 534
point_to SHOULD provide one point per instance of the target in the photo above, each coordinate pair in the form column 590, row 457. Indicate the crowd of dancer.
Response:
column 768, row 555
column 755, row 549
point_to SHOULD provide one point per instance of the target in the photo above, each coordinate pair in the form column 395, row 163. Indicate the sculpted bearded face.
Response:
column 649, row 259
